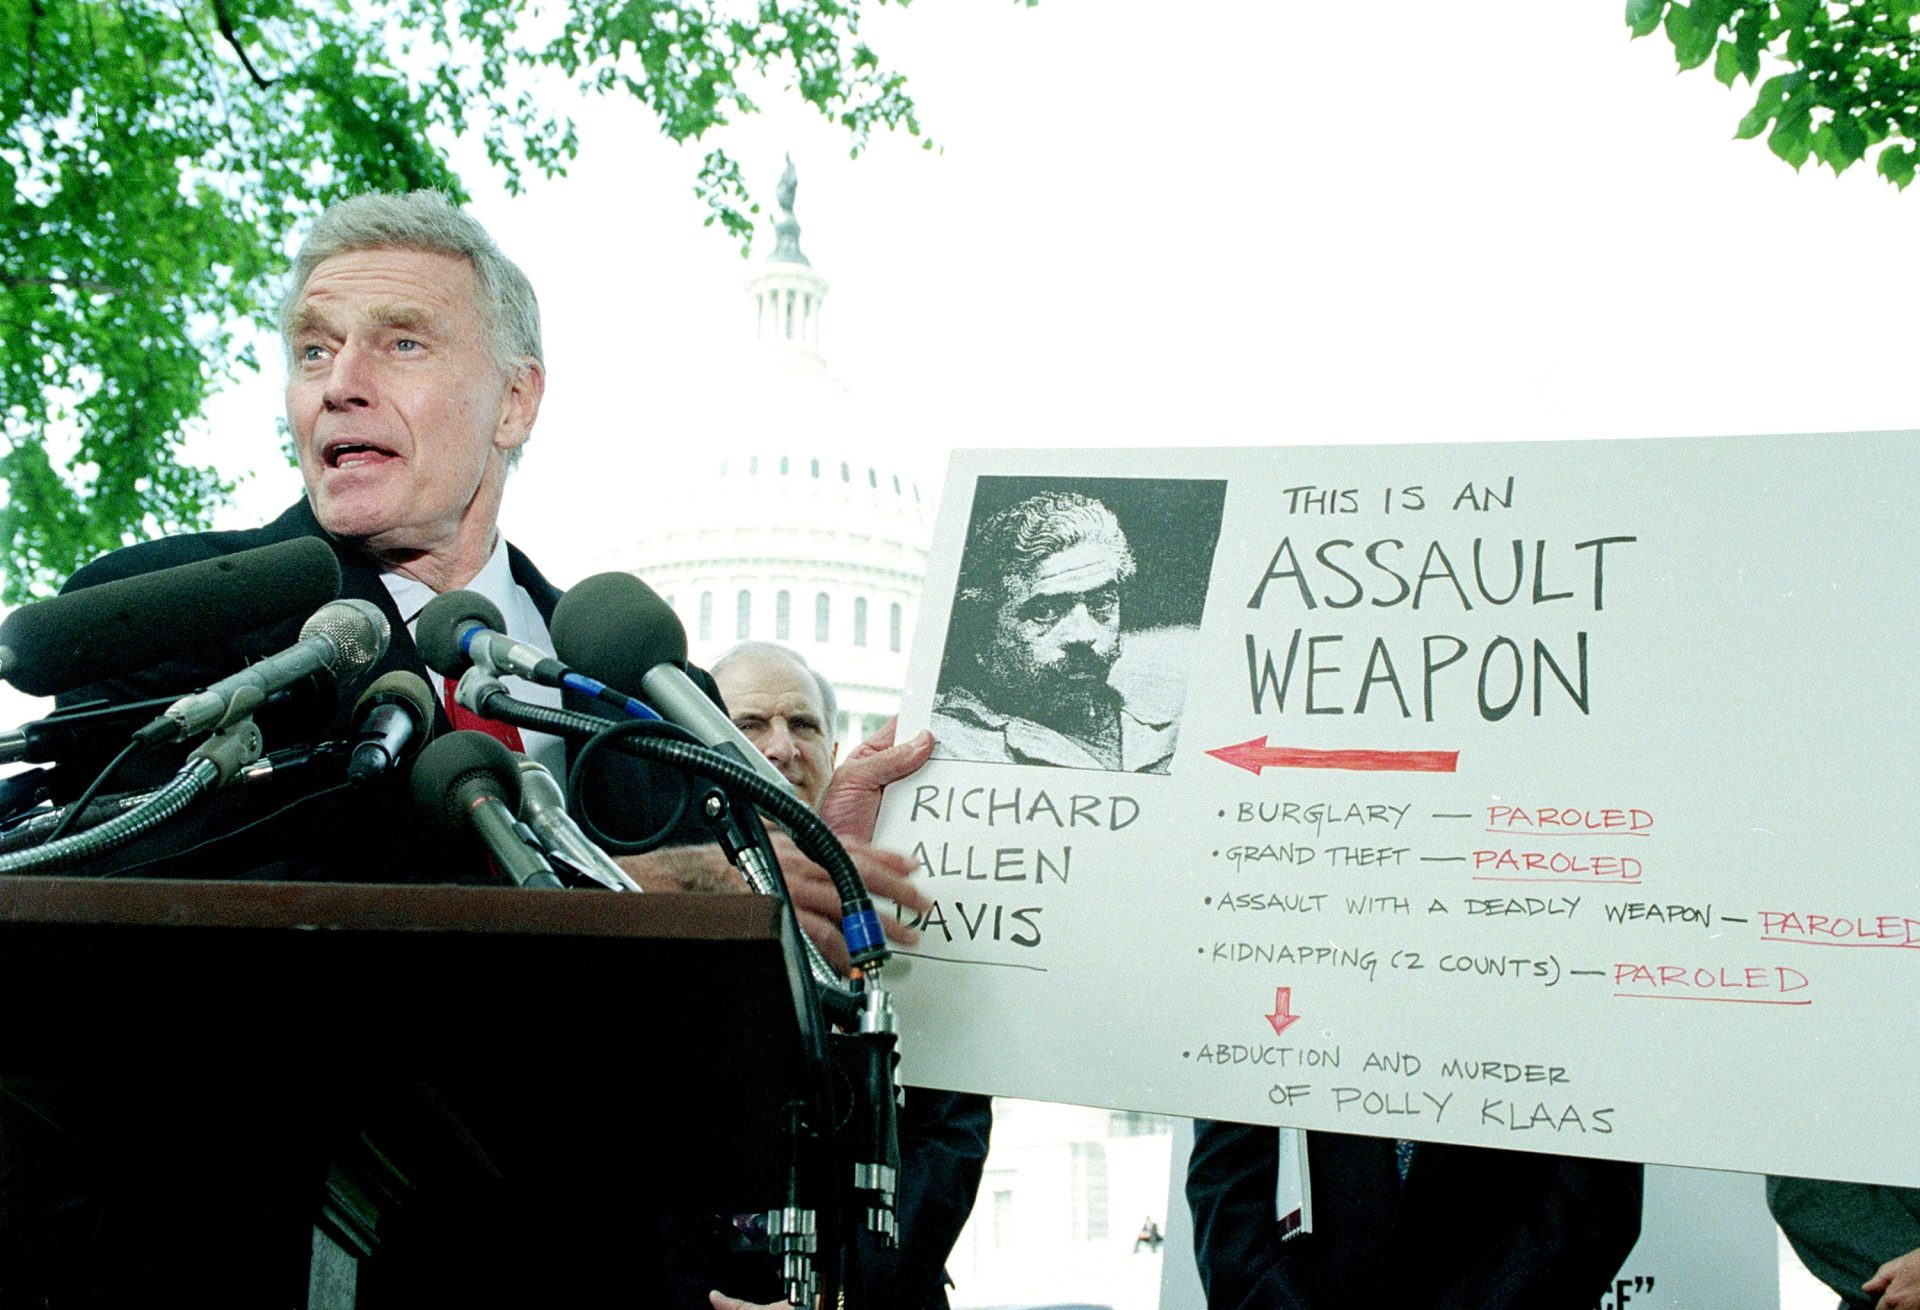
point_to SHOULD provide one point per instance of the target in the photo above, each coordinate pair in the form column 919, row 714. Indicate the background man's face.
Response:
column 399, row 413
column 1057, row 632
column 776, row 704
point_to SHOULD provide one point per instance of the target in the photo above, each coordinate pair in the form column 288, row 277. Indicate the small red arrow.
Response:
column 1256, row 755
column 1282, row 1016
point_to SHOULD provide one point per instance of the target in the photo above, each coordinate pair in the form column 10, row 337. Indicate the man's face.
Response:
column 1057, row 633
column 777, row 705
column 401, row 418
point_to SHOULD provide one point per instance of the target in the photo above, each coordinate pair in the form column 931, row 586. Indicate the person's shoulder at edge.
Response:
column 187, row 548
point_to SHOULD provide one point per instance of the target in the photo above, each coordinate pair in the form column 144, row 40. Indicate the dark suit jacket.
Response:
column 1470, row 1229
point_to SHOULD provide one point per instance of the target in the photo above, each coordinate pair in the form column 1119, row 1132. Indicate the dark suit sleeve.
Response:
column 1231, row 1180
column 1561, row 1250
column 943, row 1149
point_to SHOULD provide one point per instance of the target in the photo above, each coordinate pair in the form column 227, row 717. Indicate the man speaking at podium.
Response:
column 415, row 376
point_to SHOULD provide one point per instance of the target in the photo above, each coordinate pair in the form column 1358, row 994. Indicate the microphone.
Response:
column 459, row 627
column 460, row 630
column 616, row 628
column 467, row 784
column 97, row 728
column 45, row 741
column 392, row 720
column 344, row 637
column 115, row 628
column 543, row 808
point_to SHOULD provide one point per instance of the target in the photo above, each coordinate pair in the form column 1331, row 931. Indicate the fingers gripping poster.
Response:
column 1543, row 796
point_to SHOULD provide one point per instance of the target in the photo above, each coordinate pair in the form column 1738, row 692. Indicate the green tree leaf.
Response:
column 1792, row 139
column 1849, row 79
column 1692, row 39
column 1726, row 62
column 1896, row 164
column 1643, row 16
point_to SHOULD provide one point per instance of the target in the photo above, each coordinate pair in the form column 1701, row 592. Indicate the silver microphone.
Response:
column 343, row 637
column 543, row 808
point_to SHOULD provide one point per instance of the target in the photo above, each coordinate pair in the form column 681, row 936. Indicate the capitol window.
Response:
column 743, row 615
column 782, row 615
column 859, row 620
column 893, row 626
column 706, row 616
column 820, row 617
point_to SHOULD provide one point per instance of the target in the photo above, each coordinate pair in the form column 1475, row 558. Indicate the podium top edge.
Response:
column 386, row 907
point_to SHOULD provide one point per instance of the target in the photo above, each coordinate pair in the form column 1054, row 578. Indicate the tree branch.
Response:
column 35, row 11
column 225, row 20
column 186, row 25
column 10, row 282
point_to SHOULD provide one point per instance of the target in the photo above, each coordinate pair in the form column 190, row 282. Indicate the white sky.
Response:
column 1219, row 223
column 1234, row 222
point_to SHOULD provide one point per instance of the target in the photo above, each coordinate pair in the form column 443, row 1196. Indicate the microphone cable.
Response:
column 214, row 761
column 142, row 866
column 74, row 811
column 32, row 828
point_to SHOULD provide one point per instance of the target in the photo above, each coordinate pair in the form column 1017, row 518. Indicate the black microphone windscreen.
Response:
column 120, row 627
column 402, row 685
column 447, row 763
column 614, row 627
column 437, row 635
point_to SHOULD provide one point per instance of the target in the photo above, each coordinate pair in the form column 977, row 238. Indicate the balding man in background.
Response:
column 784, row 708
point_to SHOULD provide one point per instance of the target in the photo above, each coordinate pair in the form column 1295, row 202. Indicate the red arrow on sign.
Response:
column 1282, row 1016
column 1256, row 755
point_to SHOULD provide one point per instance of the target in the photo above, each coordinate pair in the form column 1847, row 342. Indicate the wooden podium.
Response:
column 386, row 1052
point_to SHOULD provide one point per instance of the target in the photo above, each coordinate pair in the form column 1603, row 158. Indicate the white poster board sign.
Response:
column 1545, row 796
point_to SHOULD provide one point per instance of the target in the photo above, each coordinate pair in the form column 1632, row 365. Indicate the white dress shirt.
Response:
column 495, row 582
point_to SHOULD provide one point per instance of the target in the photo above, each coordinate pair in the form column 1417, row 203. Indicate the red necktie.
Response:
column 463, row 718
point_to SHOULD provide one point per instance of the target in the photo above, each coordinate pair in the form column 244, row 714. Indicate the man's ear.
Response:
column 520, row 404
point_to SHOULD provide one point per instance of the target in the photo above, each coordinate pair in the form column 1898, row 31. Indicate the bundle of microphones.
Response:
column 612, row 636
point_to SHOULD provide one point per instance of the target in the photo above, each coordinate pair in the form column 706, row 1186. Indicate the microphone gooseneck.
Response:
column 616, row 628
column 215, row 760
column 860, row 922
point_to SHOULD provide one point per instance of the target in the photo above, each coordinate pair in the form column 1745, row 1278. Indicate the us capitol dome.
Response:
column 807, row 529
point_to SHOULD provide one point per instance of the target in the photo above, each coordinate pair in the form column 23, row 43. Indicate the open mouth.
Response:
column 352, row 454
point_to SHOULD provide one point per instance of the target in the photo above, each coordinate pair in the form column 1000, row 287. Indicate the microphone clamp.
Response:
column 476, row 687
